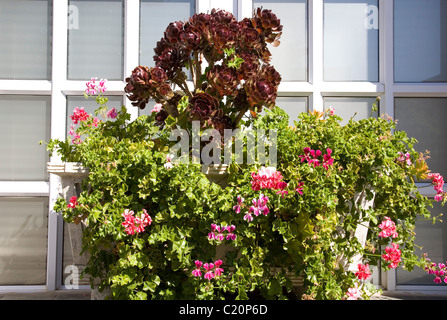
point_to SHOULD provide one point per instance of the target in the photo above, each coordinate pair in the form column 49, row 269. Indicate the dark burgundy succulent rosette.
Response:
column 226, row 61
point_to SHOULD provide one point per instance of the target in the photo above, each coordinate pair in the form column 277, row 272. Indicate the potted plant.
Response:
column 154, row 225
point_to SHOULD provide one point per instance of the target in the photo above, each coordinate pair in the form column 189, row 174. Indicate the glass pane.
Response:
column 95, row 39
column 293, row 106
column 351, row 40
column 424, row 119
column 23, row 241
column 89, row 106
column 290, row 57
column 25, row 39
column 155, row 16
column 24, row 122
column 420, row 40
column 432, row 238
column 352, row 107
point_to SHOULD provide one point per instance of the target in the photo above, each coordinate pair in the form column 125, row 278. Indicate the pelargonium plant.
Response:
column 228, row 64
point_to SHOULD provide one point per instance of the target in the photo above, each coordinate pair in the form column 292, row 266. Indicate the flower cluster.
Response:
column 363, row 272
column 266, row 178
column 437, row 269
column 388, row 228
column 392, row 255
column 212, row 269
column 220, row 233
column 73, row 202
column 269, row 178
column 312, row 157
column 79, row 115
column 353, row 293
column 239, row 79
column 93, row 88
column 438, row 182
column 404, row 158
column 133, row 223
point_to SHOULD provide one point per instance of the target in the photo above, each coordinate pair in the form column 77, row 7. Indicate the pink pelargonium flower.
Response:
column 353, row 293
column 93, row 88
column 438, row 182
column 218, row 271
column 231, row 235
column 260, row 206
column 112, row 113
column 237, row 208
column 300, row 188
column 209, row 271
column 282, row 186
column 197, row 272
column 404, row 158
column 388, row 229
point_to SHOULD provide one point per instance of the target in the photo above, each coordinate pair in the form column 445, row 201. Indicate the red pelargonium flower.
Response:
column 134, row 224
column 364, row 272
column 266, row 178
column 388, row 228
column 392, row 255
column 79, row 115
column 73, row 202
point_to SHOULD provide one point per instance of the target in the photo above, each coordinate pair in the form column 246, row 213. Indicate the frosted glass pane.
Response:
column 95, row 39
column 290, row 57
column 89, row 106
column 23, row 241
column 25, row 39
column 351, row 40
column 352, row 107
column 293, row 106
column 433, row 239
column 424, row 119
column 155, row 17
column 24, row 121
column 420, row 40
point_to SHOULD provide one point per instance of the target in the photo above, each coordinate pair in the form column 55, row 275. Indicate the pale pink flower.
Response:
column 353, row 293
column 168, row 165
column 157, row 107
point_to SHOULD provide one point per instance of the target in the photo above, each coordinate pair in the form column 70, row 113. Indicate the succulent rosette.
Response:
column 227, row 62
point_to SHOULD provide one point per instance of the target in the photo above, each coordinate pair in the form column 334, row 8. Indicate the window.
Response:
column 23, row 240
column 423, row 118
column 290, row 57
column 95, row 39
column 351, row 107
column 25, row 39
column 24, row 121
column 351, row 37
column 420, row 45
column 154, row 20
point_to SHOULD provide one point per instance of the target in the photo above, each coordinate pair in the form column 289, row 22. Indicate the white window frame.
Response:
column 315, row 89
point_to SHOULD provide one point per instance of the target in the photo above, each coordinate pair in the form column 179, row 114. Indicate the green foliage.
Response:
column 302, row 237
